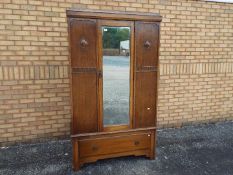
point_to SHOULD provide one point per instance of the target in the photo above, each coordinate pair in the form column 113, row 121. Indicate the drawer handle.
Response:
column 94, row 148
column 136, row 143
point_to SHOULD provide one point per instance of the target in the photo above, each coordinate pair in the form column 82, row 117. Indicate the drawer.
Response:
column 114, row 144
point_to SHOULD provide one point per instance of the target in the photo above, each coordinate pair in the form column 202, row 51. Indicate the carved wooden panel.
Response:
column 84, row 75
column 83, row 43
column 146, row 42
column 147, row 45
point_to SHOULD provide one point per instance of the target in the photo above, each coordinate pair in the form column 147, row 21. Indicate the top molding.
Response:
column 115, row 15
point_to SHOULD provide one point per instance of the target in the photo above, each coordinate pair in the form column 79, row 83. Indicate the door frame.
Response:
column 114, row 23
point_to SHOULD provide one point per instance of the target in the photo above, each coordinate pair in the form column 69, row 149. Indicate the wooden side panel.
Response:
column 83, row 43
column 145, row 99
column 84, row 103
column 146, row 43
column 146, row 49
column 84, row 75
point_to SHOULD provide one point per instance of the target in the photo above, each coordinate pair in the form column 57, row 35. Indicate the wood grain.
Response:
column 146, row 32
column 83, row 56
column 84, row 103
column 146, row 73
column 113, row 144
column 116, row 15
column 84, row 75
column 90, row 139
column 145, row 99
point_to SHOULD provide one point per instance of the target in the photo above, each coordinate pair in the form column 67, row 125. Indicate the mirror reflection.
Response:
column 116, row 75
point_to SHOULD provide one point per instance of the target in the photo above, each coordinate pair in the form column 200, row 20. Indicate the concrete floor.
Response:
column 197, row 150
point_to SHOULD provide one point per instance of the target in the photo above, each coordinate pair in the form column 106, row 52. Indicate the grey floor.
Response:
column 192, row 150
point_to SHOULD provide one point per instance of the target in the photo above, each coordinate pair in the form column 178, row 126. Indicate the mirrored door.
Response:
column 116, row 43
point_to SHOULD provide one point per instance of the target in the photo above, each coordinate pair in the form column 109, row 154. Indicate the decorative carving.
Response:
column 83, row 43
column 147, row 44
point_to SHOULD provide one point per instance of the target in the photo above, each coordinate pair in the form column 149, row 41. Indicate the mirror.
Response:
column 116, row 75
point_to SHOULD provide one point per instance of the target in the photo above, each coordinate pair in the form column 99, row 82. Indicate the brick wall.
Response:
column 196, row 57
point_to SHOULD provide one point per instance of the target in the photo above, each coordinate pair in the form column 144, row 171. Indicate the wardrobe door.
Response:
column 83, row 35
column 146, row 50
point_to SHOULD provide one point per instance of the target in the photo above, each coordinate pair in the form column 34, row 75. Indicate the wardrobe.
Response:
column 114, row 58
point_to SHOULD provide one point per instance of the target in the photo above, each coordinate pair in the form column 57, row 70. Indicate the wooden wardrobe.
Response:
column 114, row 58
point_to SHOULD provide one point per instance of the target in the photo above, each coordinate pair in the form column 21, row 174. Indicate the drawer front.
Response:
column 115, row 144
